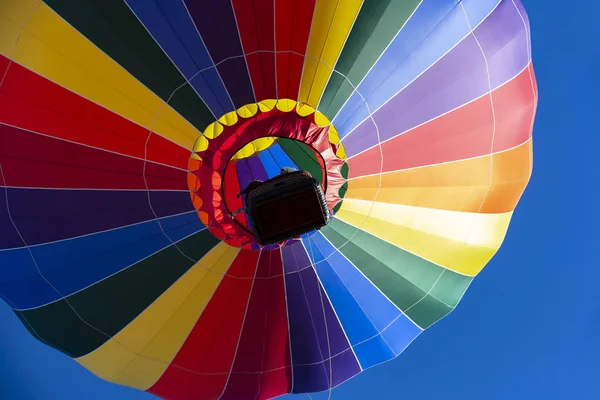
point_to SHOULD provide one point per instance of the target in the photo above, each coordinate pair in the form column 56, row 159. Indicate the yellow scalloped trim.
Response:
column 341, row 152
column 304, row 109
column 321, row 120
column 247, row 111
column 267, row 105
column 254, row 147
column 285, row 105
column 201, row 144
column 213, row 130
column 246, row 151
column 334, row 136
column 229, row 119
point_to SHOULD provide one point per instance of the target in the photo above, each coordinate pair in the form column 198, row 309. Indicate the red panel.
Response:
column 255, row 21
column 4, row 63
column 34, row 103
column 161, row 177
column 264, row 344
column 294, row 19
column 201, row 368
column 514, row 106
column 463, row 133
column 32, row 160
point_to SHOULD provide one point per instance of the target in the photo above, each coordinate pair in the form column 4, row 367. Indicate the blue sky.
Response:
column 528, row 327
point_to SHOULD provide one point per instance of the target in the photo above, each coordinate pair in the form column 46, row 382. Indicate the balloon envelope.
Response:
column 128, row 127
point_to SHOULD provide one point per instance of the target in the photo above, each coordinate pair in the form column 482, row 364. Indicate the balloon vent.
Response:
column 285, row 207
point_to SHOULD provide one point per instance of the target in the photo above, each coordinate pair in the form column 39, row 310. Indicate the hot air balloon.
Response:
column 128, row 127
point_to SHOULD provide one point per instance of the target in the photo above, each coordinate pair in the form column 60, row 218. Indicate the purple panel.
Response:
column 49, row 215
column 307, row 327
column 289, row 258
column 523, row 13
column 234, row 73
column 315, row 377
column 216, row 23
column 506, row 49
column 345, row 366
column 9, row 237
column 309, row 311
column 257, row 169
column 459, row 77
column 165, row 203
column 243, row 173
column 311, row 378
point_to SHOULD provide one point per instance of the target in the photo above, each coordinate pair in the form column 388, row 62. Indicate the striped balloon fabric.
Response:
column 127, row 128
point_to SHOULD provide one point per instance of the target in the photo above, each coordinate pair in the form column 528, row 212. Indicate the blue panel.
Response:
column 181, row 226
column 20, row 283
column 435, row 27
column 269, row 163
column 400, row 333
column 173, row 29
column 373, row 351
column 274, row 158
column 354, row 321
column 85, row 260
column 282, row 158
column 380, row 310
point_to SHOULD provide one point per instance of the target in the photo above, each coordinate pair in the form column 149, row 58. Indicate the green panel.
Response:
column 420, row 272
column 113, row 28
column 376, row 25
column 451, row 287
column 113, row 303
column 304, row 157
column 402, row 276
column 428, row 311
column 397, row 288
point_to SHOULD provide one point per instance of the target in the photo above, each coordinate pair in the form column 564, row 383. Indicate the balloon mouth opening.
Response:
column 255, row 143
column 277, row 201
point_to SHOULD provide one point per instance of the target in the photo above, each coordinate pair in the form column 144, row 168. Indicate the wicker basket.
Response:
column 285, row 207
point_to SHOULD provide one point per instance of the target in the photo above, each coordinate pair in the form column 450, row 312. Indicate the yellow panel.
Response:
column 460, row 186
column 462, row 242
column 486, row 230
column 139, row 354
column 50, row 47
column 331, row 24
column 14, row 15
